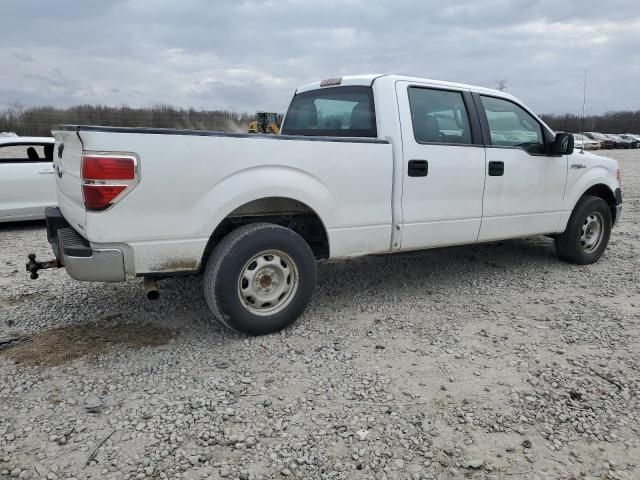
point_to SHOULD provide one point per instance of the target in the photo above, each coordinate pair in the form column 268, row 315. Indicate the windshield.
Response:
column 334, row 112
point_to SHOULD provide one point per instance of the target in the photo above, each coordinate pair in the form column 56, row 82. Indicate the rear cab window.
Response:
column 333, row 112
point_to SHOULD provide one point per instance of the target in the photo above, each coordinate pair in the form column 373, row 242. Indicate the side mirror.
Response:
column 563, row 144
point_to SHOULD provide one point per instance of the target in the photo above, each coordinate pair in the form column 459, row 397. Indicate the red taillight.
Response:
column 99, row 197
column 105, row 177
column 108, row 168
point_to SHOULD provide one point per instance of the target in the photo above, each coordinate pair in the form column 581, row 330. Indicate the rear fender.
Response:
column 237, row 190
column 174, row 256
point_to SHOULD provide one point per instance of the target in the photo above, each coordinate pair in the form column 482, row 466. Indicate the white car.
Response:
column 365, row 165
column 27, row 184
column 582, row 141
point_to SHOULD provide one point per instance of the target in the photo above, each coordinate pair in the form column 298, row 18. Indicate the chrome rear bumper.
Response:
column 75, row 253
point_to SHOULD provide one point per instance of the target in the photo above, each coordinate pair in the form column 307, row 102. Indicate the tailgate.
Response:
column 67, row 161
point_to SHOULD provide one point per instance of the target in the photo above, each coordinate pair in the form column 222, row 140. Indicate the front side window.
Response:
column 512, row 126
column 336, row 112
column 439, row 116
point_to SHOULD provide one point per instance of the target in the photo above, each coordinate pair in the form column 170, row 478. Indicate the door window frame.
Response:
column 472, row 115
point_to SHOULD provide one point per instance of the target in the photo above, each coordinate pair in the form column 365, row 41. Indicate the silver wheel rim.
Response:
column 268, row 282
column 592, row 232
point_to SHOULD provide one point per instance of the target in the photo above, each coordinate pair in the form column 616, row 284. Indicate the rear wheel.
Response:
column 587, row 234
column 260, row 278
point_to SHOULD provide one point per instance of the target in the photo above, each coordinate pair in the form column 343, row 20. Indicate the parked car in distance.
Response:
column 618, row 141
column 582, row 141
column 635, row 141
column 605, row 141
column 27, row 181
column 367, row 164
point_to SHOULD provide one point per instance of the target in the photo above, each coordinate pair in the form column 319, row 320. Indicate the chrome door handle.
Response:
column 48, row 171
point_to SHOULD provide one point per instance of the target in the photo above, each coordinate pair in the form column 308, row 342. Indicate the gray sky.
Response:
column 250, row 55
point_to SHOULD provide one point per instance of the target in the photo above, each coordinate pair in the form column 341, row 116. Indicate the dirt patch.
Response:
column 18, row 299
column 64, row 344
column 178, row 264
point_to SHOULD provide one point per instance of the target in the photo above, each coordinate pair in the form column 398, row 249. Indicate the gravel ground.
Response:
column 484, row 362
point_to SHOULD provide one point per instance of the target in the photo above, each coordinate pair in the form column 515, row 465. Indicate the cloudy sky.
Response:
column 250, row 55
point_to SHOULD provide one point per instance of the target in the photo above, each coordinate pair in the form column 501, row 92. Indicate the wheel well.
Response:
column 605, row 193
column 279, row 210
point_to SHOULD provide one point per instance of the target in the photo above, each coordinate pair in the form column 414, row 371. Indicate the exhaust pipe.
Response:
column 151, row 288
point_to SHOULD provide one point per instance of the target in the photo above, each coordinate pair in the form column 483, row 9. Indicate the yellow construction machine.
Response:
column 267, row 122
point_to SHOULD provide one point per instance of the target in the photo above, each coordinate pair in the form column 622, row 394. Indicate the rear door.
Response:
column 27, row 182
column 524, row 187
column 444, row 160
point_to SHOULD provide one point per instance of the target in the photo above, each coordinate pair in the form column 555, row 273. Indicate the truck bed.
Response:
column 191, row 180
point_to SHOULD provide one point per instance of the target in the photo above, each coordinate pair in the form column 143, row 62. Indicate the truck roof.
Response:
column 368, row 79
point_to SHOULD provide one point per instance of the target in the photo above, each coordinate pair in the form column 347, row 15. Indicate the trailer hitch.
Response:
column 33, row 266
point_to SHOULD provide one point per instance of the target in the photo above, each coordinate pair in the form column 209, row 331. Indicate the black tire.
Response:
column 292, row 266
column 575, row 245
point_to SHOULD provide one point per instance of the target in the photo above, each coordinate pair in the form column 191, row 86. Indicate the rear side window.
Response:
column 26, row 153
column 439, row 116
column 512, row 126
column 335, row 112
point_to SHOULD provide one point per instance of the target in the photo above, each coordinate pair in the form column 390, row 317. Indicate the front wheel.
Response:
column 260, row 278
column 587, row 234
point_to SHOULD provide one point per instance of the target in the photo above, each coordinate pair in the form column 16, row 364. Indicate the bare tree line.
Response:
column 38, row 121
column 610, row 122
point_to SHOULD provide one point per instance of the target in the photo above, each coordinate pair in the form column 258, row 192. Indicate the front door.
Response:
column 444, row 166
column 524, row 186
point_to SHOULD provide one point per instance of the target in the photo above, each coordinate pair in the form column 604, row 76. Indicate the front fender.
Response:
column 578, row 182
column 259, row 182
column 593, row 176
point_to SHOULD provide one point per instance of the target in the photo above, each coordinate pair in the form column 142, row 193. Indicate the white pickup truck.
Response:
column 365, row 164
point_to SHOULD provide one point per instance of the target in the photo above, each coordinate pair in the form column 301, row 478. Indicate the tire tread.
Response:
column 565, row 243
column 215, row 262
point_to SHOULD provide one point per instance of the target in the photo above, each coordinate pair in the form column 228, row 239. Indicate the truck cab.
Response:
column 471, row 164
